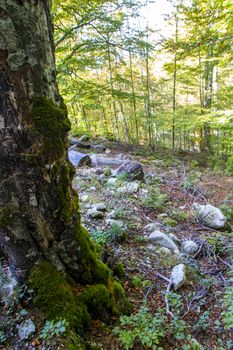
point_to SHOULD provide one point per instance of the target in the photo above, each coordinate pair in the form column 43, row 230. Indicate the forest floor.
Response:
column 165, row 197
column 160, row 317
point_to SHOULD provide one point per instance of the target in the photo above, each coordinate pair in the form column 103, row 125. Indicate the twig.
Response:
column 166, row 299
column 224, row 262
column 162, row 276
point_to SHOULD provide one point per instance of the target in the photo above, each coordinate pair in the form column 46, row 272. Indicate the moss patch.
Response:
column 55, row 298
column 53, row 124
column 68, row 201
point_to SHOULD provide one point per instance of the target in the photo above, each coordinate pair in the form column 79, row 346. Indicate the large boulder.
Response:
column 79, row 159
column 133, row 171
column 209, row 215
column 163, row 240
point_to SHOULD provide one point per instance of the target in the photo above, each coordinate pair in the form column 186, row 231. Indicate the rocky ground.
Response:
column 168, row 255
column 150, row 215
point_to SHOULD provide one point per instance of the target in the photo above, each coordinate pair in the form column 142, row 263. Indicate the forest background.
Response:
column 123, row 79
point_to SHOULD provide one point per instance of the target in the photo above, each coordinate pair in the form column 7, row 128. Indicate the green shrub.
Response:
column 155, row 199
column 52, row 328
column 229, row 166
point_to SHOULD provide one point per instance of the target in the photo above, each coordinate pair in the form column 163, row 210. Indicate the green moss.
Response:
column 5, row 216
column 68, row 201
column 170, row 222
column 94, row 271
column 98, row 301
column 53, row 124
column 74, row 342
column 119, row 270
column 54, row 296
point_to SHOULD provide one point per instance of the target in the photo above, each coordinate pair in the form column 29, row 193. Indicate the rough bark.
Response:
column 39, row 216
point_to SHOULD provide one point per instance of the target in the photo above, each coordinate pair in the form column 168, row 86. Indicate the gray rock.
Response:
column 189, row 247
column 129, row 187
column 164, row 251
column 209, row 215
column 95, row 214
column 26, row 329
column 99, row 148
column 133, row 171
column 163, row 240
column 153, row 226
column 112, row 214
column 84, row 198
column 112, row 181
column 178, row 276
column 83, row 138
column 79, row 159
column 99, row 207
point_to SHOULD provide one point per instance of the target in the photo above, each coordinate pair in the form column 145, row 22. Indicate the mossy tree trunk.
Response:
column 39, row 217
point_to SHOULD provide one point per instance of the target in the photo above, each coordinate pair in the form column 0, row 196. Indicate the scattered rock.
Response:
column 130, row 187
column 99, row 207
column 174, row 238
column 164, row 250
column 189, row 247
column 99, row 171
column 112, row 214
column 84, row 138
column 108, row 151
column 133, row 171
column 178, row 276
column 26, row 329
column 163, row 240
column 92, row 188
column 209, row 215
column 112, row 181
column 99, row 148
column 95, row 214
column 79, row 159
column 153, row 226
column 84, row 198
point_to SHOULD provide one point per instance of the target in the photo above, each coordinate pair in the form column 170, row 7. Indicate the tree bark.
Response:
column 39, row 217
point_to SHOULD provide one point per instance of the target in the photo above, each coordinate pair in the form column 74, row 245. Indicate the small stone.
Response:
column 92, row 188
column 84, row 198
column 108, row 151
column 112, row 214
column 112, row 181
column 99, row 206
column 84, row 138
column 153, row 226
column 95, row 214
column 163, row 240
column 189, row 247
column 178, row 276
column 164, row 250
column 26, row 329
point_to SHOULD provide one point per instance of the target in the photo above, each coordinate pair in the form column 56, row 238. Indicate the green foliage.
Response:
column 143, row 326
column 227, row 314
column 119, row 270
column 52, row 329
column 229, row 166
column 178, row 215
column 155, row 199
column 137, row 281
column 115, row 233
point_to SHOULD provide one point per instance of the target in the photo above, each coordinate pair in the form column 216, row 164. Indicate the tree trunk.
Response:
column 39, row 217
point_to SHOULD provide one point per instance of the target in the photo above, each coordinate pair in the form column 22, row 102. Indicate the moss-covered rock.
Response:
column 52, row 123
column 55, row 298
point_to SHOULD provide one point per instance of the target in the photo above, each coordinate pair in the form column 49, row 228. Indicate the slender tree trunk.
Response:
column 133, row 97
column 174, row 85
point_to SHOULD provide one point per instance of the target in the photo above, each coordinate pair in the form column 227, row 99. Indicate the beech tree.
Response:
column 40, row 230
